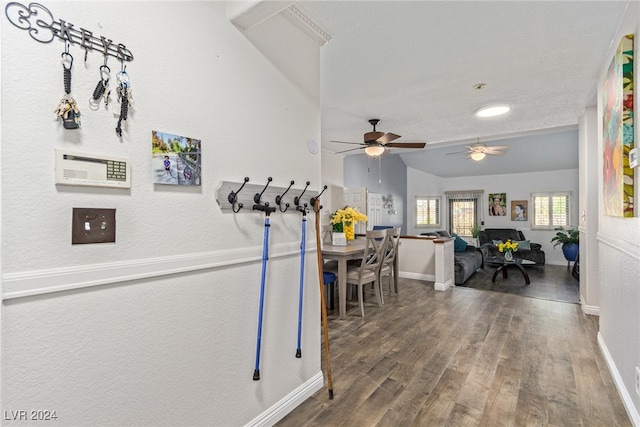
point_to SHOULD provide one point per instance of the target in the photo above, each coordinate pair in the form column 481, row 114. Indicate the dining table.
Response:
column 353, row 250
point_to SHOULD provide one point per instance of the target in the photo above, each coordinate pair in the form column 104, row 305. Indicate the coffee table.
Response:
column 503, row 265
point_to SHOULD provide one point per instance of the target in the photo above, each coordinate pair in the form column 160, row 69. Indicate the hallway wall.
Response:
column 160, row 327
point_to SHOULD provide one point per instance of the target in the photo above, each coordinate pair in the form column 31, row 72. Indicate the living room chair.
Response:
column 369, row 269
column 387, row 269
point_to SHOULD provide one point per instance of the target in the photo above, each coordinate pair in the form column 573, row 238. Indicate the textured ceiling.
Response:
column 413, row 65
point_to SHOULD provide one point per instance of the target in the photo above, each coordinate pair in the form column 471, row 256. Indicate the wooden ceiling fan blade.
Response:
column 347, row 142
column 495, row 153
column 351, row 149
column 373, row 136
column 457, row 152
column 499, row 147
column 387, row 138
column 406, row 145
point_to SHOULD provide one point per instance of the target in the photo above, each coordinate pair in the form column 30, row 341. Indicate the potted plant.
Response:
column 475, row 232
column 569, row 238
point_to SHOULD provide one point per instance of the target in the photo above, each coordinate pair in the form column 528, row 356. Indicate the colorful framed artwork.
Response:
column 618, row 141
column 498, row 204
column 176, row 159
column 519, row 210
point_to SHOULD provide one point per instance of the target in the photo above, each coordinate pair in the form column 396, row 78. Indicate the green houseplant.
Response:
column 475, row 232
column 569, row 238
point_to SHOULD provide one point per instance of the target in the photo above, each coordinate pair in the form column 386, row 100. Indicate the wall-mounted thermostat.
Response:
column 73, row 168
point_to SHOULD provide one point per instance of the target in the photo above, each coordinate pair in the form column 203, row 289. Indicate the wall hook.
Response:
column 279, row 198
column 258, row 196
column 312, row 201
column 233, row 197
column 303, row 209
column 296, row 200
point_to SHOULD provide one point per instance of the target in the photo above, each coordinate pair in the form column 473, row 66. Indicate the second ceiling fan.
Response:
column 478, row 151
column 375, row 142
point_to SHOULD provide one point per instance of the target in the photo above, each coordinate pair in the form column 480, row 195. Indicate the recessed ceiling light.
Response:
column 480, row 86
column 493, row 110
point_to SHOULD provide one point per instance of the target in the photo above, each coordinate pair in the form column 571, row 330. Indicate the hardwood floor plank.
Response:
column 464, row 357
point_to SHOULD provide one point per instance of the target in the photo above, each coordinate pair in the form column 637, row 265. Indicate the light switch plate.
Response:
column 90, row 225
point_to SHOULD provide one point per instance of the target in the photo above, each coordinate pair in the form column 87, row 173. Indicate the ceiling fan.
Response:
column 478, row 151
column 375, row 142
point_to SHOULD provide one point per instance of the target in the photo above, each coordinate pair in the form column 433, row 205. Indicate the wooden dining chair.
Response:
column 387, row 269
column 368, row 271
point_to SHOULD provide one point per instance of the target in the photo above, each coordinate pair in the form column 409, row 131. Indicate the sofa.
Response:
column 488, row 236
column 466, row 258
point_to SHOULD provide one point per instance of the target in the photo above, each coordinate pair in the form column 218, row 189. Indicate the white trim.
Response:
column 627, row 247
column 592, row 310
column 304, row 23
column 632, row 411
column 443, row 286
column 289, row 402
column 417, row 276
column 18, row 285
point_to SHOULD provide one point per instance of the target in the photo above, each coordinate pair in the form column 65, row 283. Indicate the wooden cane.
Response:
column 323, row 307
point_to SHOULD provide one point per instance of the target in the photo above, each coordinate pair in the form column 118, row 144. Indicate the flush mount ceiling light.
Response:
column 477, row 156
column 374, row 150
column 493, row 110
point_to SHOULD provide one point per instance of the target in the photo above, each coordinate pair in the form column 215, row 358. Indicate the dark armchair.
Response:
column 489, row 249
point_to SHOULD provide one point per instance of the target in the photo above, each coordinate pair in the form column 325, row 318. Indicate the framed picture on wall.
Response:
column 176, row 159
column 519, row 210
column 498, row 204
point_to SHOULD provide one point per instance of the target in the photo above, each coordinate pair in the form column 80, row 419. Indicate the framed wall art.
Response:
column 618, row 109
column 176, row 159
column 519, row 210
column 498, row 204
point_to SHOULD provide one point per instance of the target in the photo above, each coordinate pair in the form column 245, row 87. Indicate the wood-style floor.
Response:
column 464, row 357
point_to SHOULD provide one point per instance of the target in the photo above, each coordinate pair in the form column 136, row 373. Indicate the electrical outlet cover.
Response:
column 91, row 225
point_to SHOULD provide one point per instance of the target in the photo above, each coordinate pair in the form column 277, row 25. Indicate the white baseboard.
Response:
column 289, row 402
column 443, row 286
column 417, row 276
column 632, row 411
column 592, row 310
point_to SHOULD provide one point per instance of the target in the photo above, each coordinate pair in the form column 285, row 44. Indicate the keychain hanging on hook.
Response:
column 68, row 110
column 102, row 88
column 124, row 96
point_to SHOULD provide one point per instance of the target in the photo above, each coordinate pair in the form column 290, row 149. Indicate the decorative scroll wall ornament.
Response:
column 44, row 28
column 389, row 204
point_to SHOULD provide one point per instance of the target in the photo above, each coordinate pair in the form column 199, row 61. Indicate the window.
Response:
column 427, row 211
column 551, row 210
column 462, row 216
column 464, row 211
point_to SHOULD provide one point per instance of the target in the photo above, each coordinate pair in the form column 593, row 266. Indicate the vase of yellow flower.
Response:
column 344, row 221
column 508, row 248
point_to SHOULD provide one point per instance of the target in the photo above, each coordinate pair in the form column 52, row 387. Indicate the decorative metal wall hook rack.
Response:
column 43, row 28
column 296, row 200
column 312, row 201
column 279, row 198
column 258, row 196
column 232, row 195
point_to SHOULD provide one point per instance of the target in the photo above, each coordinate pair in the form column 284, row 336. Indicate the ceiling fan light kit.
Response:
column 477, row 156
column 376, row 143
column 493, row 110
column 374, row 150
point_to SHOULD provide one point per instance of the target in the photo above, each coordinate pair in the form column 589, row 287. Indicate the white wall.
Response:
column 517, row 186
column 166, row 332
column 619, row 260
column 421, row 184
column 588, row 212
column 332, row 177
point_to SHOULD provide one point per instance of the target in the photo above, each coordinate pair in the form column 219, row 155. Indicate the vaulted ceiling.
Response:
column 414, row 65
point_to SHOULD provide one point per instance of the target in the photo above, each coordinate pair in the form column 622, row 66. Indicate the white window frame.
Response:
column 429, row 199
column 550, row 196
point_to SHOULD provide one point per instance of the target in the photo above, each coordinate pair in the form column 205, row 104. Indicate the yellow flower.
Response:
column 508, row 246
column 348, row 216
